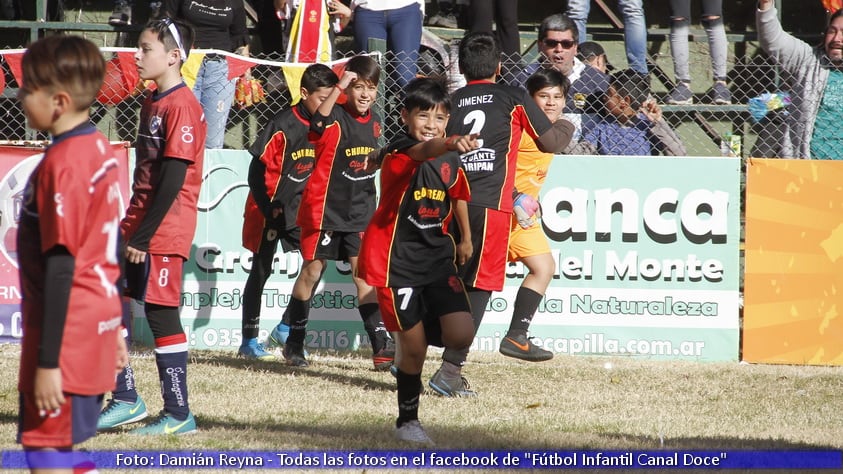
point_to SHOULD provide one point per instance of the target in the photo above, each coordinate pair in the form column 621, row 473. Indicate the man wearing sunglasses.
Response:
column 557, row 41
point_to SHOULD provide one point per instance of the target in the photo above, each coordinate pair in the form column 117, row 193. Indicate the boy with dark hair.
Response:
column 631, row 122
column 337, row 203
column 160, row 222
column 499, row 114
column 407, row 253
column 282, row 160
column 67, row 240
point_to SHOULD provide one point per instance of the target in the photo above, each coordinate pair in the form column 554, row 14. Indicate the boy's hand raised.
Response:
column 347, row 78
column 650, row 108
column 462, row 143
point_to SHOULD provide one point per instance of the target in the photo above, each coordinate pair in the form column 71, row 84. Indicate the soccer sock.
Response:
column 172, row 372
column 478, row 299
column 296, row 315
column 371, row 315
column 526, row 303
column 409, row 386
column 125, row 386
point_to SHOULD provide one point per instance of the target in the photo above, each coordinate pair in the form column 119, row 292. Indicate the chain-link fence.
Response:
column 701, row 126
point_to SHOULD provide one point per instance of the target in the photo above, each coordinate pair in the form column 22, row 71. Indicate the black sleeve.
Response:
column 170, row 182
column 257, row 186
column 318, row 123
column 58, row 279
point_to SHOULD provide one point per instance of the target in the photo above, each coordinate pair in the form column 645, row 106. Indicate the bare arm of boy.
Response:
column 325, row 107
column 464, row 248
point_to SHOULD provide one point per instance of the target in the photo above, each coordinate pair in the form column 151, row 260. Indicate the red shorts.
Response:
column 71, row 424
column 157, row 280
column 486, row 269
column 329, row 244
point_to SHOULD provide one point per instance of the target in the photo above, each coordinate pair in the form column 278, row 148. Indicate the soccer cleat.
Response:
column 720, row 94
column 522, row 347
column 681, row 95
column 122, row 14
column 255, row 351
column 384, row 357
column 166, row 424
column 413, row 432
column 278, row 336
column 118, row 412
column 450, row 387
column 295, row 355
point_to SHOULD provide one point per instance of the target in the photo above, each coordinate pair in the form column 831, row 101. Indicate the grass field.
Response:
column 578, row 403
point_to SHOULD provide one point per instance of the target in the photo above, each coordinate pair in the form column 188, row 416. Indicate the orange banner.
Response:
column 793, row 281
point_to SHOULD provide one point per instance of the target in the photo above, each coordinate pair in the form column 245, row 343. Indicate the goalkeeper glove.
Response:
column 526, row 210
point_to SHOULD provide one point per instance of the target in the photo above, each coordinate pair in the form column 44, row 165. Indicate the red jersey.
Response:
column 499, row 114
column 340, row 195
column 407, row 242
column 72, row 199
column 283, row 147
column 171, row 125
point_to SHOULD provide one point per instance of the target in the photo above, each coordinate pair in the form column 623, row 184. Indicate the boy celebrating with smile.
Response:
column 160, row 222
column 67, row 251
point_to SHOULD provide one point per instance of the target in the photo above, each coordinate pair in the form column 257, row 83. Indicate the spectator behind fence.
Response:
column 635, row 28
column 399, row 23
column 449, row 13
column 219, row 24
column 558, row 46
column 591, row 53
column 712, row 21
column 504, row 15
column 630, row 123
column 122, row 13
column 815, row 78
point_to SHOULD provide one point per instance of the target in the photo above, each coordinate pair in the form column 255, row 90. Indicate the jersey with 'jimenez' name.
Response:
column 72, row 199
column 284, row 148
column 407, row 242
column 171, row 125
column 499, row 114
column 340, row 194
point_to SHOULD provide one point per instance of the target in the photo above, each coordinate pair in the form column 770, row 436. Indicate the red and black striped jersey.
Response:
column 407, row 242
column 288, row 156
column 500, row 114
column 340, row 194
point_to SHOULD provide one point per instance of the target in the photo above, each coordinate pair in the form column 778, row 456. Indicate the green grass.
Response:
column 578, row 403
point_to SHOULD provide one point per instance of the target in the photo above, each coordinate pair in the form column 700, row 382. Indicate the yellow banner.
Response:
column 793, row 287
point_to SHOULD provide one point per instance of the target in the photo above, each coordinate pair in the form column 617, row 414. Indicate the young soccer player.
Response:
column 337, row 203
column 527, row 242
column 67, row 252
column 499, row 114
column 407, row 253
column 282, row 160
column 160, row 222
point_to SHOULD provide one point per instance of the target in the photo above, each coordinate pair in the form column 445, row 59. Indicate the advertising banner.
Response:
column 646, row 251
column 16, row 164
column 794, row 269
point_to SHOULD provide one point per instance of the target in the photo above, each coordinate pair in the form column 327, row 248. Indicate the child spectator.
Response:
column 712, row 20
column 630, row 124
column 160, row 222
column 500, row 115
column 282, row 160
column 594, row 55
column 407, row 253
column 72, row 344
column 527, row 242
column 337, row 203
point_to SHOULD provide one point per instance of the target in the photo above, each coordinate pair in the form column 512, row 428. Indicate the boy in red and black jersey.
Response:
column 160, row 223
column 499, row 114
column 336, row 206
column 67, row 251
column 407, row 252
column 282, row 161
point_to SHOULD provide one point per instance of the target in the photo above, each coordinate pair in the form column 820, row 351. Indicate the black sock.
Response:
column 297, row 314
column 409, row 387
column 478, row 300
column 526, row 303
column 371, row 315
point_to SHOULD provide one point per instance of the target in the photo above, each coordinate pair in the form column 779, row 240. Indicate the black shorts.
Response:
column 403, row 308
column 330, row 244
column 290, row 239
